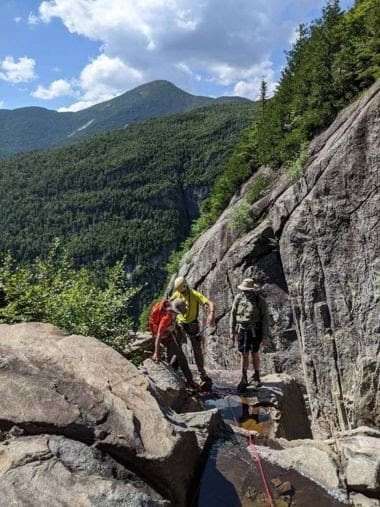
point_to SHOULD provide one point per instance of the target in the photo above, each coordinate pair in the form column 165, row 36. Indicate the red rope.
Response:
column 252, row 449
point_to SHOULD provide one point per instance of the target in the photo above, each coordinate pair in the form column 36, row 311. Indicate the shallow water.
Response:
column 243, row 412
column 231, row 477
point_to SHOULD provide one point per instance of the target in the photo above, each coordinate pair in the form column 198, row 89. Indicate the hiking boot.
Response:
column 243, row 384
column 193, row 387
column 255, row 380
column 206, row 384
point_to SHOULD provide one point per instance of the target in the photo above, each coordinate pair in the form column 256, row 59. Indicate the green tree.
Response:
column 263, row 94
column 77, row 300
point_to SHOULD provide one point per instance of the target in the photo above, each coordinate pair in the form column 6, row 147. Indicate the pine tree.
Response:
column 263, row 94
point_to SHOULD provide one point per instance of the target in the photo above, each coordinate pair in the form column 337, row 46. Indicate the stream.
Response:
column 231, row 475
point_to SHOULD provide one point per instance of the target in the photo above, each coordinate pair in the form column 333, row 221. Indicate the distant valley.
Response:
column 127, row 194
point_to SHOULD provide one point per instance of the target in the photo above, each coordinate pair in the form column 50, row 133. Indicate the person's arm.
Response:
column 233, row 320
column 157, row 354
column 162, row 329
column 210, row 313
column 210, row 306
column 264, row 320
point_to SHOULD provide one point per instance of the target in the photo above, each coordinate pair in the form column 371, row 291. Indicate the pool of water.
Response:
column 244, row 412
column 231, row 477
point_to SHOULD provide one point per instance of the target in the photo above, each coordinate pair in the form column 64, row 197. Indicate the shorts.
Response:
column 248, row 340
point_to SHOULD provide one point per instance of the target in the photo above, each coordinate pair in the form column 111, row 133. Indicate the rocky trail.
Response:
column 81, row 425
column 283, row 467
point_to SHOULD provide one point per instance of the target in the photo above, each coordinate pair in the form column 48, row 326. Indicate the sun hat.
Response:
column 248, row 284
column 178, row 306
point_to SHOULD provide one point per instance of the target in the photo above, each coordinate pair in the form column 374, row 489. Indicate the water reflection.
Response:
column 243, row 412
column 230, row 477
column 254, row 418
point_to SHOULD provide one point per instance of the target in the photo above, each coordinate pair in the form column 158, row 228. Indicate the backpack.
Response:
column 157, row 313
column 247, row 311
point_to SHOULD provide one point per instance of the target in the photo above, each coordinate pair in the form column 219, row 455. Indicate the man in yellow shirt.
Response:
column 189, row 324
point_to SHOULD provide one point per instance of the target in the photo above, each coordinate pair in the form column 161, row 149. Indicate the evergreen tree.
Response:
column 263, row 94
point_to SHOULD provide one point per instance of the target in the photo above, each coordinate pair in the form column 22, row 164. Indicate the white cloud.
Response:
column 183, row 67
column 58, row 88
column 2, row 104
column 186, row 41
column 17, row 19
column 103, row 79
column 17, row 71
column 249, row 83
column 252, row 89
column 33, row 19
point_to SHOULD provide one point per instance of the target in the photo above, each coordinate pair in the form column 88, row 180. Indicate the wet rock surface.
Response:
column 296, row 472
column 277, row 406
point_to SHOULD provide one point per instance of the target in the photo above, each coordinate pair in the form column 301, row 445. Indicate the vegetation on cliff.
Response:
column 334, row 59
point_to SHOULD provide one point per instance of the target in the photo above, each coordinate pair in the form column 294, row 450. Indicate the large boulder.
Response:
column 170, row 387
column 328, row 223
column 51, row 471
column 360, row 450
column 79, row 388
column 349, row 462
column 315, row 463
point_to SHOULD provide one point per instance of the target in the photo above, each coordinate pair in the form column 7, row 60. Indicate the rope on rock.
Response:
column 252, row 449
column 254, row 453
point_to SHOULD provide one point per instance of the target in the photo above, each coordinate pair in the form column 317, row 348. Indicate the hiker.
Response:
column 162, row 322
column 189, row 325
column 246, row 324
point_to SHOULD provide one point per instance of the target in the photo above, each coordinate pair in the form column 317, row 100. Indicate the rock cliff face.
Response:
column 221, row 258
column 314, row 249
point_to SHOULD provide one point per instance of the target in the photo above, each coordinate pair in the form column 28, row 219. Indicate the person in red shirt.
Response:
column 162, row 322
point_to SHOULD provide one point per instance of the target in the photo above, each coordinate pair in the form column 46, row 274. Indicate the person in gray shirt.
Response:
column 246, row 326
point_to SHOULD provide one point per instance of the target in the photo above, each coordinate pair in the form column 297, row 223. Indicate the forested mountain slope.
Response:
column 127, row 194
column 32, row 128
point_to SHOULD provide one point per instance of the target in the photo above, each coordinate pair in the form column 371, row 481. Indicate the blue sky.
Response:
column 70, row 54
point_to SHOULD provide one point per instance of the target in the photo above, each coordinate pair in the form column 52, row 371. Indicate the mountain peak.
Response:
column 31, row 127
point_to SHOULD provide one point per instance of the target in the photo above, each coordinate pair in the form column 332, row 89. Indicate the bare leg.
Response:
column 244, row 364
column 256, row 365
column 256, row 361
column 244, row 367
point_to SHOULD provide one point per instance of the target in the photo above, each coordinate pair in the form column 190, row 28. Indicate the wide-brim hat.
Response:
column 248, row 284
column 178, row 306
